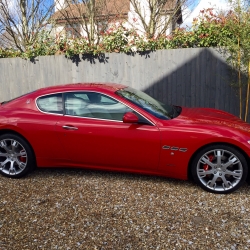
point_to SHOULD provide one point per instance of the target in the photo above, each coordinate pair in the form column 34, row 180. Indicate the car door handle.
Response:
column 69, row 127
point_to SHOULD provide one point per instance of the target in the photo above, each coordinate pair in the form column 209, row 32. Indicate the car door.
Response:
column 40, row 128
column 93, row 134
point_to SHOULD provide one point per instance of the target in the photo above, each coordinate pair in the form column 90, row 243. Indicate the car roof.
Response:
column 111, row 87
column 91, row 86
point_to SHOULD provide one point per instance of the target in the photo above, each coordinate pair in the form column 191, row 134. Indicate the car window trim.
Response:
column 75, row 91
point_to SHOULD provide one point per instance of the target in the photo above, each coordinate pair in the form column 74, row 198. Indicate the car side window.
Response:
column 51, row 103
column 76, row 104
column 95, row 105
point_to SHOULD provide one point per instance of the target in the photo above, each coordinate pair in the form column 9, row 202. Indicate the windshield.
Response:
column 149, row 104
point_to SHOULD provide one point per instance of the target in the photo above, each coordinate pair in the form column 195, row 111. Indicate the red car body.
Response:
column 164, row 147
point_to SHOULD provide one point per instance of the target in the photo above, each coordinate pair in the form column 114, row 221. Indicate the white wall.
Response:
column 59, row 4
column 134, row 19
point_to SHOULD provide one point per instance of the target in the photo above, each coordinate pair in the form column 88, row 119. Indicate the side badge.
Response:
column 175, row 148
column 183, row 149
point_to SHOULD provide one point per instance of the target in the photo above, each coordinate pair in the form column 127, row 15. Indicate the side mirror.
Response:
column 130, row 117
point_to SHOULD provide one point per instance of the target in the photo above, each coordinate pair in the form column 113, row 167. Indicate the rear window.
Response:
column 51, row 104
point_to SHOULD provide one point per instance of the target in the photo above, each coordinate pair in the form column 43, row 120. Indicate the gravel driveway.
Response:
column 78, row 209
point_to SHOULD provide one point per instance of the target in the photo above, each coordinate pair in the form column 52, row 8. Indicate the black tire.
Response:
column 16, row 156
column 220, row 169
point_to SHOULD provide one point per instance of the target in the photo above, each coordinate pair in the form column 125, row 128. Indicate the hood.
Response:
column 207, row 114
column 214, row 117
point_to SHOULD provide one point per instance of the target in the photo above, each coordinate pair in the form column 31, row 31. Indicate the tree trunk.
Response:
column 152, row 6
column 239, row 77
column 248, row 90
column 23, row 7
column 91, row 20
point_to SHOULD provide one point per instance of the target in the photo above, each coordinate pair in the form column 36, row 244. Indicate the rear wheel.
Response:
column 16, row 156
column 219, row 169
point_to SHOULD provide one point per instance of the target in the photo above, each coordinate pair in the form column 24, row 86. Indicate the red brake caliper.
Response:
column 22, row 159
column 206, row 166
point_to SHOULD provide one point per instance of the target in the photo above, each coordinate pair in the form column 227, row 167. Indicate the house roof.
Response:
column 170, row 5
column 105, row 8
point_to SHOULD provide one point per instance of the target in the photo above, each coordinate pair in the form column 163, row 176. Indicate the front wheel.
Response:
column 219, row 169
column 16, row 156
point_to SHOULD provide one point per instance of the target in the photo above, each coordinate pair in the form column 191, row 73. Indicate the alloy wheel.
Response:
column 13, row 157
column 219, row 168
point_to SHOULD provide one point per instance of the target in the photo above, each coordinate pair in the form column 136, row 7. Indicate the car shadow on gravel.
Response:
column 77, row 172
column 49, row 173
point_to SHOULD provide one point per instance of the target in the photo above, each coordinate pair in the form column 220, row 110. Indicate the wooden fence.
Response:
column 190, row 77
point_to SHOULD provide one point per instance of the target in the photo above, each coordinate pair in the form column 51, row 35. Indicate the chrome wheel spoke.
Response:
column 21, row 153
column 237, row 174
column 12, row 169
column 212, row 183
column 203, row 173
column 205, row 160
column 3, row 154
column 4, row 163
column 226, row 184
column 218, row 154
column 231, row 161
column 4, row 146
column 21, row 165
column 14, row 145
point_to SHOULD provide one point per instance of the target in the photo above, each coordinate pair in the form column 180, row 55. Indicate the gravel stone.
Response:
column 79, row 209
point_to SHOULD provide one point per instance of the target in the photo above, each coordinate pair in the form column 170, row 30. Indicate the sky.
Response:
column 199, row 5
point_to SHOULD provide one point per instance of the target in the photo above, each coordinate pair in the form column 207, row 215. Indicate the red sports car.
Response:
column 115, row 127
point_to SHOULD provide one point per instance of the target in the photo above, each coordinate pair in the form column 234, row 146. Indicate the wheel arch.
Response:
column 9, row 131
column 218, row 143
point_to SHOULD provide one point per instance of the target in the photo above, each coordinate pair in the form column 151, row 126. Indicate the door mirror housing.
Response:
column 130, row 117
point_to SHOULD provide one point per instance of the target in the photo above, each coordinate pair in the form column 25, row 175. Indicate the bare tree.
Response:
column 21, row 21
column 89, row 17
column 157, row 17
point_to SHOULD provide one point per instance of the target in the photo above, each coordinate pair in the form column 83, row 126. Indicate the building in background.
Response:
column 79, row 18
